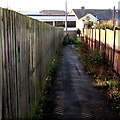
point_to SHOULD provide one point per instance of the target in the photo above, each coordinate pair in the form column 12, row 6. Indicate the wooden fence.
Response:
column 107, row 42
column 26, row 49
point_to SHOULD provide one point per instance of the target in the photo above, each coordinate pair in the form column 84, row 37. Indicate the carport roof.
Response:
column 49, row 18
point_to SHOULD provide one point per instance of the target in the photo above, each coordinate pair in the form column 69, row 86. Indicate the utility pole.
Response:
column 66, row 16
column 114, row 17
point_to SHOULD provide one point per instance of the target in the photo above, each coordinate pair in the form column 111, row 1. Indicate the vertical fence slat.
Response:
column 99, row 38
column 27, row 47
column 109, row 45
column 1, row 64
column 113, row 49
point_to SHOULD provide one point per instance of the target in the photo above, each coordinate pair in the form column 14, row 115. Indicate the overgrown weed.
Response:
column 105, row 77
column 42, row 107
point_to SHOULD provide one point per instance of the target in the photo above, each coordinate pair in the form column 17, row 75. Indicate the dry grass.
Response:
column 105, row 78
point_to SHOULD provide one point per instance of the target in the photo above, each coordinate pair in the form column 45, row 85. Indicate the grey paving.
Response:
column 73, row 97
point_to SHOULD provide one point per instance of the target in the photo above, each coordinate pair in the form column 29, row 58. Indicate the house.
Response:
column 96, row 15
column 81, row 22
column 52, row 12
column 55, row 18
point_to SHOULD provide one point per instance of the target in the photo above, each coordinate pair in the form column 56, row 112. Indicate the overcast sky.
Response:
column 37, row 5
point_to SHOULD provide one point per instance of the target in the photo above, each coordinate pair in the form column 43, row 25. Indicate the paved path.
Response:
column 73, row 97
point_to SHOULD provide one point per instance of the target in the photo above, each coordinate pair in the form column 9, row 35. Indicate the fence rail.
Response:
column 107, row 42
column 26, row 49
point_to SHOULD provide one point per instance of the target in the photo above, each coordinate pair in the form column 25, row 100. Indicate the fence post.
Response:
column 83, row 33
column 105, row 43
column 92, row 41
column 99, row 39
column 95, row 38
column 113, row 49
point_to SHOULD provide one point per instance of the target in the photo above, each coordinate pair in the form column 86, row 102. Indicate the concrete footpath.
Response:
column 73, row 97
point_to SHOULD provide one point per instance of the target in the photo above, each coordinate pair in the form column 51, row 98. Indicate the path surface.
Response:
column 73, row 97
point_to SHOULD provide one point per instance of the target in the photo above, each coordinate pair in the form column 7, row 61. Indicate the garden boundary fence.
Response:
column 27, row 47
column 107, row 42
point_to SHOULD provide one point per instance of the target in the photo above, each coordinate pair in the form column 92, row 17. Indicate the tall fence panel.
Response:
column 107, row 42
column 110, row 44
column 117, row 51
column 27, row 47
column 1, row 35
column 97, row 38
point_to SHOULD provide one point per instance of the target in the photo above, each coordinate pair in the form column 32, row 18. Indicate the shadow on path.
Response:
column 73, row 97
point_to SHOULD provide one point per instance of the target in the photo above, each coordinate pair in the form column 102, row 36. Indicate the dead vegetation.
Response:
column 105, row 77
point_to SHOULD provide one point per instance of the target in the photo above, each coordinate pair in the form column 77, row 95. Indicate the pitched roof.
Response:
column 99, row 13
column 52, row 12
column 92, row 17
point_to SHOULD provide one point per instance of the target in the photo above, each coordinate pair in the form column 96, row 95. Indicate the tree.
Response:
column 88, row 23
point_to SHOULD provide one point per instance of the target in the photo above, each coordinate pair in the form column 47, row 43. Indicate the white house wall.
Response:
column 92, row 18
column 79, row 24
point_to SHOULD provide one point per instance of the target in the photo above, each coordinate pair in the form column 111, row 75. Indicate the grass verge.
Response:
column 105, row 78
column 42, row 107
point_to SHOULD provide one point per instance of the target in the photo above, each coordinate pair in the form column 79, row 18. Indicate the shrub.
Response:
column 96, row 57
column 103, row 26
column 88, row 24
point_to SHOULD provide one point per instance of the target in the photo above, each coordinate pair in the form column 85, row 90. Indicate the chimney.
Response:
column 83, row 7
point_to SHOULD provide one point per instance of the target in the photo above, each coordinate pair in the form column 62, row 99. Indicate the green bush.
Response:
column 111, row 83
column 96, row 57
column 103, row 26
column 88, row 24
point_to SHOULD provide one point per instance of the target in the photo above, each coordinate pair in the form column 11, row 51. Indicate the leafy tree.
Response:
column 103, row 26
column 88, row 23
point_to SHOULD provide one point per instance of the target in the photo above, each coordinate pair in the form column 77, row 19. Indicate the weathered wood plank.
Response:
column 26, row 49
column 1, row 69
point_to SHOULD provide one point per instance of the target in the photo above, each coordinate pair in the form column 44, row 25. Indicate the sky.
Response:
column 38, row 5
